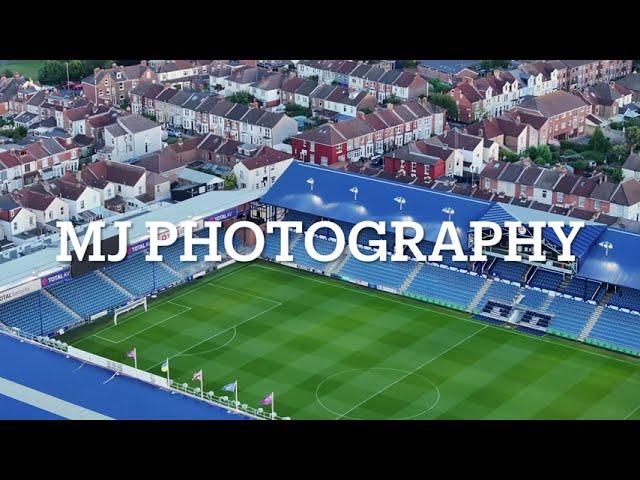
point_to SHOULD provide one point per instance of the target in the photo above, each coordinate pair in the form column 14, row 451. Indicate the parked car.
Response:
column 376, row 161
column 172, row 132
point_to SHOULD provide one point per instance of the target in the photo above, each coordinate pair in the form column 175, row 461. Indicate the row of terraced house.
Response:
column 370, row 134
column 203, row 112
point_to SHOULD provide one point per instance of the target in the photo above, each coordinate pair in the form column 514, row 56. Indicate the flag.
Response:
column 197, row 375
column 268, row 400
column 230, row 387
column 132, row 353
column 165, row 366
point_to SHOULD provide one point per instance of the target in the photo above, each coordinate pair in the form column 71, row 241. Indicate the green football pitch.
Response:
column 331, row 350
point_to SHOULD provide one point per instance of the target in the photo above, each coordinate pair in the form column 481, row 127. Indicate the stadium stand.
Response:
column 445, row 285
column 36, row 314
column 388, row 274
column 140, row 277
column 301, row 257
column 570, row 316
column 616, row 328
column 579, row 287
column 546, row 279
column 509, row 270
column 626, row 298
column 89, row 294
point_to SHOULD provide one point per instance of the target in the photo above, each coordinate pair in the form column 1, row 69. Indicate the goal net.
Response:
column 127, row 308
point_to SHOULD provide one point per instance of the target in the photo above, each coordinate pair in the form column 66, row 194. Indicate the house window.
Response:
column 560, row 197
column 81, row 203
column 581, row 202
column 15, row 226
column 31, row 221
column 119, row 188
column 544, row 194
column 597, row 204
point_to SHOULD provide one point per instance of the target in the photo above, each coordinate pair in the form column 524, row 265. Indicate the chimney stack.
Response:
column 96, row 70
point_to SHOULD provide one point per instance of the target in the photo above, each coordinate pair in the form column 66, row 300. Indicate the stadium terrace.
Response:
column 406, row 234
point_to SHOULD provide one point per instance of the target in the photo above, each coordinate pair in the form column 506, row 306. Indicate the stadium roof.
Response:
column 620, row 266
column 501, row 212
column 43, row 262
column 197, row 207
column 332, row 198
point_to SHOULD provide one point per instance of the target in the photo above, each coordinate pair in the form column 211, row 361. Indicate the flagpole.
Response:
column 168, row 379
column 135, row 359
column 201, row 384
column 236, row 392
column 273, row 405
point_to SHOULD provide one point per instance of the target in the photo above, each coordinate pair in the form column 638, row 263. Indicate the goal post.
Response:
column 127, row 308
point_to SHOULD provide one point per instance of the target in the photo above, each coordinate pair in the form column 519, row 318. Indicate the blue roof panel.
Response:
column 621, row 266
column 332, row 198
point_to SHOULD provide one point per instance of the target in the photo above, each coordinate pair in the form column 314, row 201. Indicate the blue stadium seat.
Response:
column 570, row 316
column 546, row 279
column 301, row 257
column 533, row 298
column 500, row 291
column 36, row 314
column 513, row 271
column 626, row 298
column 445, row 285
column 88, row 294
column 140, row 277
column 388, row 274
column 617, row 328
column 579, row 287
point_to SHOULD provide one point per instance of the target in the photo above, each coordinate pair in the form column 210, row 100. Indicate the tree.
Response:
column 619, row 153
column 230, row 181
column 7, row 73
column 366, row 110
column 52, row 72
column 632, row 136
column 494, row 64
column 544, row 155
column 598, row 142
column 580, row 165
column 392, row 99
column 245, row 98
column 615, row 174
column 438, row 86
column 408, row 63
column 295, row 110
column 447, row 102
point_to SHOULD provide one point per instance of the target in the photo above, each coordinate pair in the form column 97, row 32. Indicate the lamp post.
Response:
column 354, row 190
column 448, row 211
column 400, row 201
column 310, row 181
column 607, row 246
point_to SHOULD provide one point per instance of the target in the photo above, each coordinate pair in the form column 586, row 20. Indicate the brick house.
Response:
column 564, row 112
column 369, row 134
column 114, row 84
column 488, row 96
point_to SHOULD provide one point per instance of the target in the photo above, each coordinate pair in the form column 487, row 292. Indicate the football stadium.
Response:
column 336, row 340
